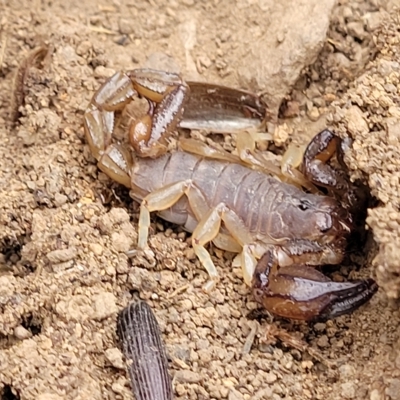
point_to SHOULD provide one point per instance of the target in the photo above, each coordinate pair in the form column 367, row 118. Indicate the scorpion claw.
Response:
column 348, row 300
column 302, row 292
column 316, row 168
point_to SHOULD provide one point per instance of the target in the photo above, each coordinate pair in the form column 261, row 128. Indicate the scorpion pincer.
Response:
column 280, row 232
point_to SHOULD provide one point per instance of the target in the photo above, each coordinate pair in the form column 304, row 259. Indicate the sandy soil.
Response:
column 65, row 227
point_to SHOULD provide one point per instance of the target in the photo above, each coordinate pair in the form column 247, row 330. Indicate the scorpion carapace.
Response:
column 237, row 206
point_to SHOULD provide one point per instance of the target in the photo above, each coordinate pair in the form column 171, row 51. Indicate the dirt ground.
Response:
column 65, row 227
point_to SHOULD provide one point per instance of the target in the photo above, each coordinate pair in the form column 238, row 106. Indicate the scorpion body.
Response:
column 271, row 211
column 279, row 231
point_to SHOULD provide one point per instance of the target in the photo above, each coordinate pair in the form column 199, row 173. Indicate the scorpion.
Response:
column 279, row 231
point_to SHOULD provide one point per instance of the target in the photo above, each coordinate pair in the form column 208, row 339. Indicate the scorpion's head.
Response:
column 320, row 219
column 313, row 224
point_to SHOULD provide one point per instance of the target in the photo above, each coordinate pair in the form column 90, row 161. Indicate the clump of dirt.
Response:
column 65, row 227
column 369, row 113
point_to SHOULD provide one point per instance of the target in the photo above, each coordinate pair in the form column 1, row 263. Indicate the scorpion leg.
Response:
column 246, row 157
column 159, row 200
column 246, row 147
column 302, row 292
column 166, row 197
column 112, row 96
column 207, row 230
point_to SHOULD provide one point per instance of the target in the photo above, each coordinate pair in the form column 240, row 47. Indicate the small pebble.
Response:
column 270, row 378
column 103, row 72
column 104, row 305
column 62, row 255
column 48, row 396
column 186, row 376
column 348, row 390
column 21, row 333
column 96, row 248
column 235, row 395
column 125, row 26
column 60, row 199
column 121, row 242
column 114, row 357
column 319, row 327
column 346, row 370
column 323, row 341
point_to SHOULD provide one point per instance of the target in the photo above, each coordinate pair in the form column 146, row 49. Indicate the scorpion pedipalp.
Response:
column 302, row 292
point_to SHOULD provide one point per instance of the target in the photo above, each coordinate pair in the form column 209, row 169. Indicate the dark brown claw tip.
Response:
column 144, row 351
column 348, row 300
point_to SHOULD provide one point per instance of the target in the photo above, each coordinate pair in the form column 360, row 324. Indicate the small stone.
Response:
column 118, row 215
column 103, row 72
column 186, row 305
column 96, row 248
column 348, row 390
column 21, row 333
column 320, row 327
column 180, row 390
column 142, row 280
column 393, row 389
column 119, row 388
column 291, row 109
column 356, row 29
column 48, row 396
column 125, row 26
column 204, row 355
column 323, row 341
column 374, row 20
column 83, row 48
column 31, row 185
column 346, row 370
column 186, row 376
column 7, row 285
column 167, row 278
column 347, row 12
column 235, row 395
column 281, row 135
column 205, row 61
column 62, row 255
column 314, row 114
column 60, row 199
column 104, row 305
column 356, row 123
column 339, row 59
column 110, row 270
column 75, row 308
column 375, row 395
column 307, row 364
column 121, row 242
column 114, row 357
column 270, row 378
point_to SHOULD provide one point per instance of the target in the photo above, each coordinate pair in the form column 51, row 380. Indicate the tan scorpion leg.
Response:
column 112, row 96
column 158, row 200
column 165, row 198
column 207, row 230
